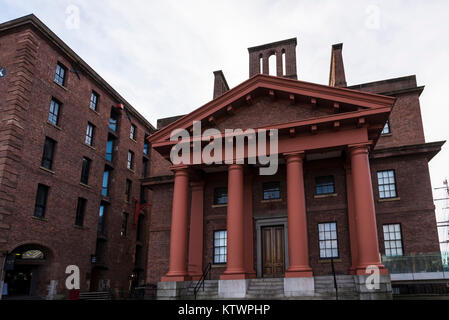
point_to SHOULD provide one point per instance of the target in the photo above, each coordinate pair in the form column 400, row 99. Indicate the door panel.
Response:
column 273, row 259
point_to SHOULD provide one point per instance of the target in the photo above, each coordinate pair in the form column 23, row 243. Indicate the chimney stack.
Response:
column 337, row 70
column 220, row 84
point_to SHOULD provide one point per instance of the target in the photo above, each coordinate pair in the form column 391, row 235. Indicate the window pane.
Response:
column 221, row 196
column 324, row 185
column 387, row 184
column 392, row 239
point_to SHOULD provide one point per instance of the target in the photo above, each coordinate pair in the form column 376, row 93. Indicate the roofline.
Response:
column 54, row 39
column 372, row 83
column 286, row 83
column 272, row 44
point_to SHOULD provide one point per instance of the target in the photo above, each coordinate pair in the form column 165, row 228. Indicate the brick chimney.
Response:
column 259, row 56
column 220, row 84
column 337, row 70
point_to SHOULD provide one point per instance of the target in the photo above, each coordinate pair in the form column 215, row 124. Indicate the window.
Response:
column 143, row 195
column 124, row 224
column 90, row 134
column 146, row 145
column 41, row 201
column 130, row 164
column 105, row 184
column 132, row 132
column 109, row 149
column 85, row 171
column 80, row 210
column 386, row 129
column 392, row 239
column 271, row 190
column 328, row 240
column 113, row 121
column 139, row 232
column 101, row 219
column 221, row 196
column 324, row 185
column 220, row 246
column 93, row 101
column 387, row 184
column 49, row 151
column 128, row 188
column 60, row 74
column 144, row 168
column 53, row 115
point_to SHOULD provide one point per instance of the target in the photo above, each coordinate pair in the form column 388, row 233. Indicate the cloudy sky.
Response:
column 160, row 55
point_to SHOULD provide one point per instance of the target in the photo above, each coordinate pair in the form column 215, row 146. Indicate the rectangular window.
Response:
column 124, row 224
column 80, row 211
column 90, row 134
column 85, row 170
column 130, row 163
column 144, row 167
column 146, row 145
column 132, row 132
column 328, row 240
column 41, row 201
column 105, row 184
column 93, row 101
column 101, row 219
column 53, row 115
column 60, row 74
column 386, row 129
column 324, row 185
column 139, row 231
column 392, row 239
column 221, row 196
column 113, row 121
column 49, row 152
column 271, row 190
column 109, row 149
column 220, row 246
column 387, row 184
column 128, row 190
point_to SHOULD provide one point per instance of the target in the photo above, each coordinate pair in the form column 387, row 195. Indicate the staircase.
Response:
column 324, row 287
column 210, row 291
column 102, row 295
column 266, row 288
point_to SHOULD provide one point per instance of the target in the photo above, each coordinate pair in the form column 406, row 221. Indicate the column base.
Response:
column 235, row 276
column 175, row 278
column 299, row 287
column 232, row 289
column 298, row 272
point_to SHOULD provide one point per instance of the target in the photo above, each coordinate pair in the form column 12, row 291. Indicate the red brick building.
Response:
column 352, row 185
column 72, row 153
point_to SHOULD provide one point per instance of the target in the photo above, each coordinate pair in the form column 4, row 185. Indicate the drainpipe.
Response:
column 2, row 273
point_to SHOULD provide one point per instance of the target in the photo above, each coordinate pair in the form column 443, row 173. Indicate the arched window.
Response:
column 32, row 255
column 260, row 64
column 272, row 65
column 284, row 68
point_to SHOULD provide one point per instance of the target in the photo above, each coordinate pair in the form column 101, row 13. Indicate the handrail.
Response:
column 201, row 281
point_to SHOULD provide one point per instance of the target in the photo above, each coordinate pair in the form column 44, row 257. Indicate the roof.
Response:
column 38, row 25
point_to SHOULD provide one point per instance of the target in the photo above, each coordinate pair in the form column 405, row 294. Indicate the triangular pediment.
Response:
column 264, row 101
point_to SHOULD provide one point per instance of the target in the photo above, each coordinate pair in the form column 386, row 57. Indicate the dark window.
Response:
column 271, row 190
column 80, row 211
column 105, row 184
column 109, row 149
column 41, row 201
column 93, row 101
column 144, row 167
column 220, row 195
column 113, row 121
column 132, row 132
column 49, row 152
column 102, row 219
column 53, row 115
column 386, row 129
column 130, row 163
column 143, row 195
column 387, row 184
column 146, row 145
column 90, row 134
column 220, row 246
column 128, row 190
column 324, row 185
column 392, row 239
column 85, row 171
column 139, row 231
column 124, row 224
column 328, row 240
column 60, row 74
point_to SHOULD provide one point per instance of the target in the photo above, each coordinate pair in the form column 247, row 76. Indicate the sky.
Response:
column 160, row 55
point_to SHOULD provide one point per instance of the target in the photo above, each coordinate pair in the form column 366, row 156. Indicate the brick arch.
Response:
column 49, row 251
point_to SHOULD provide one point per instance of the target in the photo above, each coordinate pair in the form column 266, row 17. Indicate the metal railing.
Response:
column 200, row 283
column 417, row 263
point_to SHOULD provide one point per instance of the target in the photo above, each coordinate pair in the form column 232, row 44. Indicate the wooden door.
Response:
column 273, row 258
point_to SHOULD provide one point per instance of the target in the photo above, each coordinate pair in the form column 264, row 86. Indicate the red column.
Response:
column 178, row 235
column 248, row 227
column 297, row 222
column 365, row 214
column 195, row 268
column 351, row 220
column 235, row 268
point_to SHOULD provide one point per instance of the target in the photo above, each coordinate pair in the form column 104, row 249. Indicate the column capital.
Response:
column 294, row 156
column 360, row 147
column 235, row 166
column 197, row 185
column 180, row 169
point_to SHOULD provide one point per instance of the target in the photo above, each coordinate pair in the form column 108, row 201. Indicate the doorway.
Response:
column 273, row 251
column 21, row 281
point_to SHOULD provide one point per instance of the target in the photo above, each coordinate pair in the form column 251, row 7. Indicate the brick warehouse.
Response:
column 68, row 188
column 352, row 188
